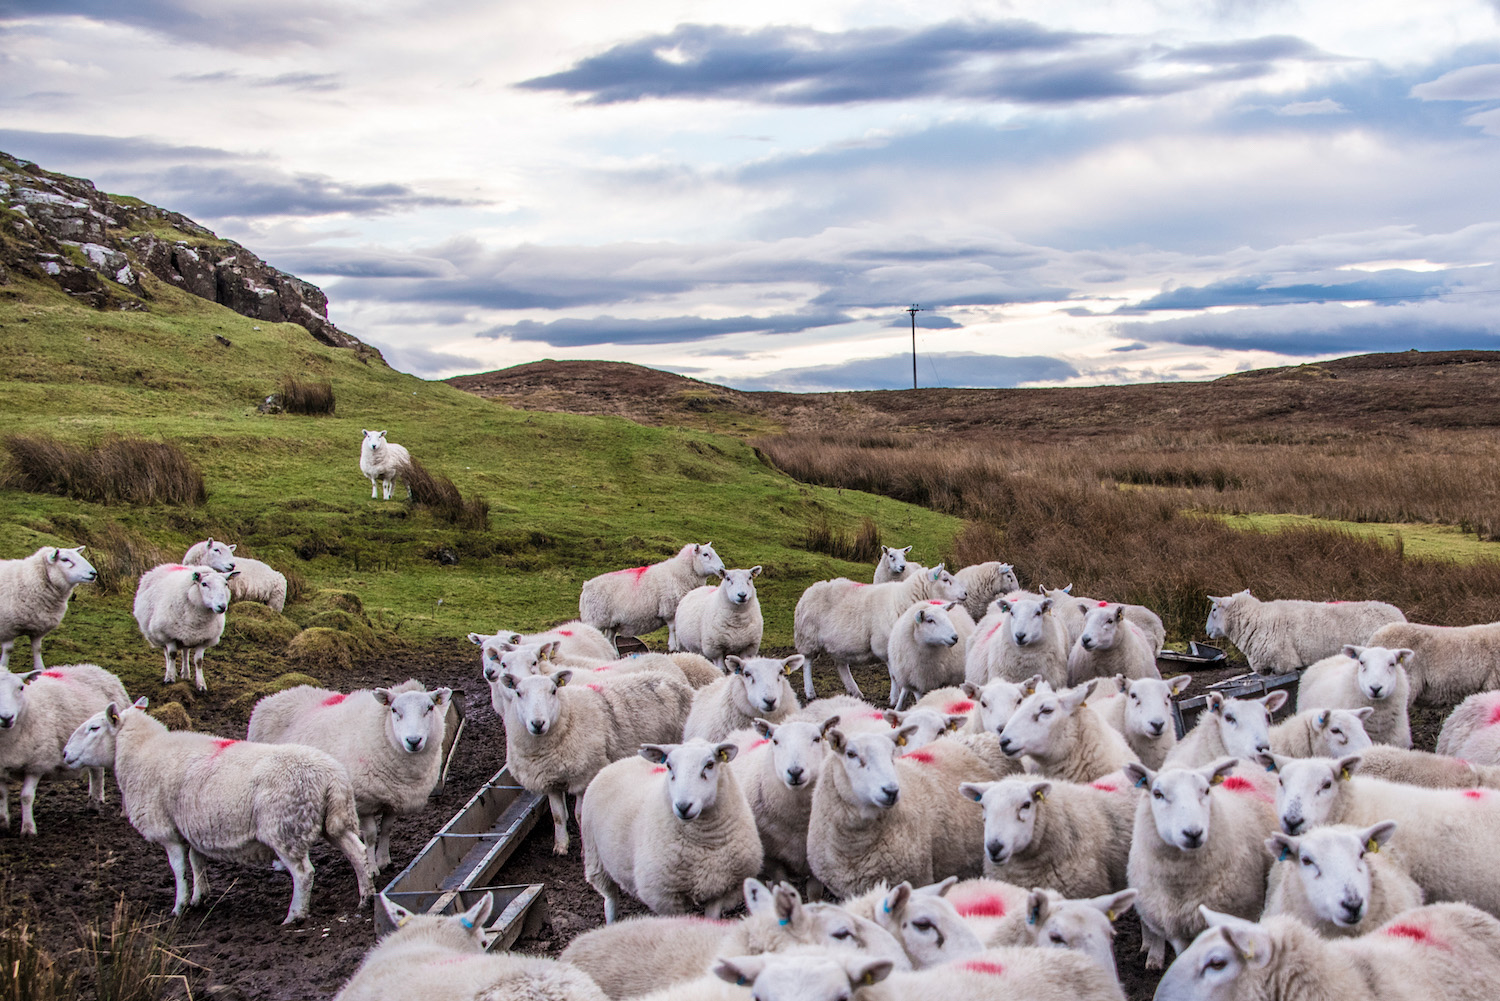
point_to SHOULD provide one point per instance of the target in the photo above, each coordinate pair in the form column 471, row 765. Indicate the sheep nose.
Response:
column 684, row 809
column 1353, row 910
column 1262, row 747
column 794, row 775
column 1292, row 825
column 769, row 704
column 414, row 743
column 951, row 640
column 220, row 607
column 490, row 674
column 1088, row 644
column 996, row 849
column 1193, row 838
column 1007, row 748
column 538, row 726
column 1157, row 727
column 6, row 722
column 890, row 793
column 1375, row 691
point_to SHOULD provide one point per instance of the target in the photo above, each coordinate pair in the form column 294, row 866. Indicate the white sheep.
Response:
column 756, row 687
column 640, row 600
column 1072, row 608
column 995, row 702
column 255, row 581
column 38, row 713
column 1359, row 676
column 1423, row 768
column 892, row 567
column 1142, row 712
column 1447, row 663
column 1277, row 637
column 1065, row 836
column 671, row 828
column 182, row 608
column 383, row 463
column 778, row 767
column 1064, row 737
column 1321, row 733
column 559, row 736
column 1110, row 645
column 723, row 620
column 1447, row 837
column 1199, row 839
column 573, row 639
column 1337, row 879
column 876, row 816
column 1445, row 952
column 985, row 582
column 405, row 963
column 203, row 797
column 1238, row 728
column 389, row 739
column 1081, row 926
column 925, row 649
column 34, row 595
column 852, row 622
column 1472, row 730
column 1020, row 636
column 541, row 658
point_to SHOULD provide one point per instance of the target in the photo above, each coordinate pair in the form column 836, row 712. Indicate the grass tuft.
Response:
column 438, row 494
column 119, row 469
column 864, row 547
column 311, row 398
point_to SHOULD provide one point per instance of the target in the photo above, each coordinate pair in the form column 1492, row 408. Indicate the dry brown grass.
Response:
column 439, row 495
column 863, row 547
column 116, row 470
column 311, row 398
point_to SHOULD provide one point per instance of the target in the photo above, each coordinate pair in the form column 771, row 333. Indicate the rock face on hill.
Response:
column 96, row 247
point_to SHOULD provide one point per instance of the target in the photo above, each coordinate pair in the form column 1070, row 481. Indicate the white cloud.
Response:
column 1325, row 106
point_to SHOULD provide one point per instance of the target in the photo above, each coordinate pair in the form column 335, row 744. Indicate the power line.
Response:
column 914, row 309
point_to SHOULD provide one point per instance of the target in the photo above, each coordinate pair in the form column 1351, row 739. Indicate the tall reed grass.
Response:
column 439, row 495
column 116, row 470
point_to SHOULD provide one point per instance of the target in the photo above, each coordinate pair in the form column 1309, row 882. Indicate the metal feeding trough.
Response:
column 1185, row 712
column 461, row 862
column 1199, row 655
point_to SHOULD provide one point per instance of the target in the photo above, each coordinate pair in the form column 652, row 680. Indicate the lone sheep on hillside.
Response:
column 383, row 463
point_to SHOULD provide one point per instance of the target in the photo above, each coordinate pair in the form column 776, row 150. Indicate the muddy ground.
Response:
column 82, row 863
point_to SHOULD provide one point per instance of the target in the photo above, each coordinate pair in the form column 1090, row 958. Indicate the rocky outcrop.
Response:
column 97, row 246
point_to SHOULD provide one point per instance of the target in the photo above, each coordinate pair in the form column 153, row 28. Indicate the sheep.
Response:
column 1445, row 952
column 1447, row 835
column 995, row 702
column 1278, row 637
column 640, row 600
column 34, row 595
column 689, row 668
column 256, row 581
column 991, row 911
column 985, row 582
column 1423, row 768
column 1142, row 712
column 383, row 463
column 637, row 955
column 1447, row 663
column 573, row 639
column 1066, row 836
column 1359, row 676
column 389, row 739
column 852, row 622
column 892, row 566
column 406, row 963
column 558, row 736
column 876, row 816
column 1471, row 731
column 670, row 827
column 1082, row 926
column 1000, row 974
column 778, row 767
column 1110, row 645
column 1073, row 608
column 1337, row 879
column 756, row 687
column 1198, row 840
column 200, row 796
column 182, row 608
column 1065, row 738
column 1020, row 636
column 38, row 713
column 1236, row 727
column 926, row 649
column 723, row 620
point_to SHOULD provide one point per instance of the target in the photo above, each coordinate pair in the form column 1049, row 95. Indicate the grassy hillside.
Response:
column 570, row 496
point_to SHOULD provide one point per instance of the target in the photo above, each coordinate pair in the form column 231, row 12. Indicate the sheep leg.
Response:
column 374, row 490
column 170, row 651
column 5, row 649
column 354, row 850
column 28, row 798
column 1154, row 945
column 4, row 800
column 200, row 876
column 612, row 635
column 715, row 907
column 847, row 677
column 388, row 487
column 36, row 654
column 369, row 833
column 807, row 684
column 177, row 859
column 557, row 799
column 198, row 663
column 96, row 787
column 301, row 869
column 383, row 853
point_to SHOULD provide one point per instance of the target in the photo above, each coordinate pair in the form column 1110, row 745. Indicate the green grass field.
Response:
column 570, row 496
column 1439, row 542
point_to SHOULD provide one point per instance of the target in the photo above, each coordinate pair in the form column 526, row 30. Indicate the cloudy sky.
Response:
column 1075, row 191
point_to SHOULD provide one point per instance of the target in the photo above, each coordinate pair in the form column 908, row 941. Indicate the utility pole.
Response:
column 914, row 309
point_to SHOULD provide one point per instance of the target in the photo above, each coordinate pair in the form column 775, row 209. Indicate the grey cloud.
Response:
column 1338, row 286
column 1471, row 83
column 1132, row 346
column 358, row 262
column 667, row 330
column 51, row 147
column 424, row 361
column 927, row 321
column 290, row 81
column 954, row 370
column 248, row 190
column 238, row 26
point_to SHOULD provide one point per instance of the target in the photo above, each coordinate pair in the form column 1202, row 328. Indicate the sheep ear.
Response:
column 1046, row 605
column 1119, row 613
column 1179, row 684
column 1251, row 941
column 508, row 680
column 970, row 689
column 56, row 555
column 1072, row 698
column 904, row 550
column 29, row 676
column 1322, row 720
column 1348, row 766
column 234, row 547
column 231, row 575
column 1404, row 655
column 112, row 714
column 788, row 903
column 1115, row 904
column 735, row 665
column 1037, row 906
column 895, row 902
column 1217, row 772
column 1139, row 775
column 1350, row 650
column 477, row 639
column 726, row 752
column 1039, row 790
column 1281, row 846
column 473, row 919
column 757, row 897
column 1031, row 684
column 827, row 724
column 549, row 649
column 383, row 696
column 1275, row 700
column 955, row 721
column 892, row 718
column 197, row 576
column 975, row 790
column 561, row 678
column 1004, row 605
column 765, row 728
column 655, row 753
column 1216, row 703
column 740, row 970
column 1364, row 712
column 1270, row 762
column 864, row 972
column 836, row 739
column 938, row 889
column 904, row 734
column 440, row 697
column 399, row 915
column 1377, row 835
column 141, row 703
column 755, row 571
column 921, row 615
column 792, row 663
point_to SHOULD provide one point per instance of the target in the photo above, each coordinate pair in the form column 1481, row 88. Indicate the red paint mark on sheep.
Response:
column 637, row 571
column 1103, row 604
column 988, row 966
column 219, row 746
column 990, row 905
column 1494, row 715
column 176, row 566
column 659, row 770
column 594, row 687
column 921, row 757
column 993, row 630
column 858, row 583
column 334, row 699
column 934, row 601
column 1413, row 933
column 1240, row 784
column 604, row 667
column 877, row 714
column 1106, row 787
column 961, row 706
column 1473, row 794
column 757, row 745
column 565, row 632
column 55, row 674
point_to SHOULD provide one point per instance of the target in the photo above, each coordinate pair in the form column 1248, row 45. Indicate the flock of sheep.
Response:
column 981, row 843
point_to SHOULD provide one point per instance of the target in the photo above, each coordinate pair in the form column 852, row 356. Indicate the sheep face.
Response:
column 414, row 719
column 1180, row 800
column 1245, row 724
column 1102, row 625
column 796, row 751
column 761, row 680
column 802, row 977
column 706, row 562
column 1148, row 705
column 1006, row 580
column 210, row 588
column 1219, row 957
column 1379, row 669
column 929, row 723
column 520, row 661
column 92, row 745
column 1036, row 720
column 1310, row 789
column 1027, row 619
column 999, row 700
column 219, row 556
column 1331, row 863
column 693, row 771
column 1010, row 811
column 927, row 926
column 738, row 587
column 1343, row 731
column 1085, row 926
column 933, row 627
column 534, row 698
column 13, row 697
column 66, row 568
column 1215, row 625
column 868, row 761
column 459, row 932
column 945, row 585
column 894, row 559
column 374, row 442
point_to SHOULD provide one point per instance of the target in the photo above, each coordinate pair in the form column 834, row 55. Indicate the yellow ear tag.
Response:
column 403, row 921
column 723, row 755
column 1344, row 775
column 561, row 682
column 1111, row 915
column 868, row 979
column 1372, row 846
column 1039, row 795
column 787, row 670
column 1249, row 955
column 900, row 741
column 1216, row 780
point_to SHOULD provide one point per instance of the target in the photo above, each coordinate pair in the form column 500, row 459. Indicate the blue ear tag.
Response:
column 885, row 905
column 1140, row 783
column 783, row 922
column 466, row 923
column 1271, row 767
column 1284, row 855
